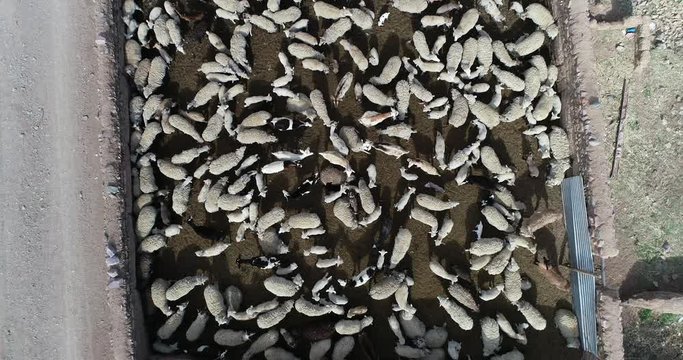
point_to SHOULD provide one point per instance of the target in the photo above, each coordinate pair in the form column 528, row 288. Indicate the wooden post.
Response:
column 618, row 149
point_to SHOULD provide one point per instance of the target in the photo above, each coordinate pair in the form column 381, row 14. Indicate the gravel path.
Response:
column 53, row 303
column 668, row 18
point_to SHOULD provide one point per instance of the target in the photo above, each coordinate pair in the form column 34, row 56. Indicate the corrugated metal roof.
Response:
column 581, row 257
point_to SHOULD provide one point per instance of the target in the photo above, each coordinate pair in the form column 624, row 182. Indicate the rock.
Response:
column 620, row 47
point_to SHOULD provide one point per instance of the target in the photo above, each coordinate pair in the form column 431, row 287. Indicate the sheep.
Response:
column 350, row 137
column 263, row 342
column 366, row 199
column 271, row 244
column 170, row 170
column 213, row 194
column 230, row 338
column 490, row 335
column 502, row 54
column 401, row 246
column 235, row 6
column 440, row 271
column 156, row 75
column 559, row 143
column 347, row 80
column 496, row 219
column 373, row 118
column 352, row 327
column 433, row 203
column 402, row 302
column 420, row 91
column 396, row 328
column 409, row 352
column 510, row 355
column 153, row 243
column 506, row 327
column 445, row 229
column 400, row 130
column 315, row 65
column 463, row 296
column 429, row 66
column 342, row 211
column 273, row 317
column 303, row 51
column 343, row 347
column 319, row 349
column 337, row 159
column 520, row 241
column 387, row 286
column 469, row 54
column 410, row 6
column 557, row 170
column 436, row 337
column 359, row 59
column 513, row 281
column 499, row 262
column 424, row 166
column 172, row 323
column 262, row 23
column 491, row 8
column 427, row 218
column 284, row 16
column 183, row 125
column 335, row 31
column 413, row 327
column 276, row 353
column 327, row 11
column 389, row 72
column 459, row 111
column 227, row 161
column 527, row 45
column 508, row 79
column 133, row 52
column 145, row 221
column 302, row 220
column 283, row 287
column 467, row 22
column 568, row 325
column 435, row 21
column 405, row 198
column 196, row 327
column 327, row 263
column 213, row 250
column 376, row 96
column 488, row 115
column 402, row 92
column 531, row 314
column 229, row 202
column 310, row 309
column 543, row 144
column 158, row 295
column 183, row 286
column 457, row 313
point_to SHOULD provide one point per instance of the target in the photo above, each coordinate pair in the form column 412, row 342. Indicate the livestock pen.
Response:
column 177, row 259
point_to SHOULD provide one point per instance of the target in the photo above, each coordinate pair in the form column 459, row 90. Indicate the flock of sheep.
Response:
column 463, row 55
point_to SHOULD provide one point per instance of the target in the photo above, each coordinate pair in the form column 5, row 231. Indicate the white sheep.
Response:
column 510, row 355
column 156, row 75
column 358, row 58
column 277, row 353
column 409, row 352
column 508, row 79
column 229, row 202
column 233, row 297
column 502, row 54
column 433, row 203
column 172, row 323
column 367, row 201
column 197, row 327
column 212, row 196
column 303, row 51
column 491, row 8
column 171, row 170
column 302, row 220
column 469, row 54
column 389, row 72
column 145, row 221
column 463, row 296
column 490, row 335
column 271, row 244
column 429, row 66
column 559, row 143
column 568, row 325
column 254, row 136
column 315, row 65
column 405, row 198
column 263, row 342
column 400, row 248
column 438, row 270
column 227, row 161
column 386, row 286
column 327, row 11
column 273, row 317
column 436, row 20
column 263, row 307
column 410, row 6
column 527, row 45
column 543, row 144
column 215, row 303
column 457, row 313
column 513, row 281
column 402, row 302
column 351, row 138
column 521, row 241
column 327, row 263
column 499, row 262
column 283, row 287
column 485, row 113
column 420, row 92
column 262, row 23
column 228, row 337
column 213, row 250
column 400, row 130
column 427, row 218
column 153, row 243
column 506, row 327
column 445, row 229
column 310, row 309
column 181, row 196
column 319, row 349
column 376, row 96
column 351, row 327
column 158, row 295
column 343, row 347
column 183, row 286
column 492, row 293
column 531, row 314
column 467, row 22
column 557, row 170
column 335, row 31
column 284, row 16
column 496, row 219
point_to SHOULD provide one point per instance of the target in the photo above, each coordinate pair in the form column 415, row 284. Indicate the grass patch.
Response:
column 645, row 315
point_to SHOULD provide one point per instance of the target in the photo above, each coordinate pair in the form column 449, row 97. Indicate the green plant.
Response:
column 645, row 315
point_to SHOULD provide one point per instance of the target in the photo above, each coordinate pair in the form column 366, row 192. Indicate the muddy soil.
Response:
column 354, row 247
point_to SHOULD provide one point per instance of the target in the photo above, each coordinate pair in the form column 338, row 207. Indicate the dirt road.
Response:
column 53, row 300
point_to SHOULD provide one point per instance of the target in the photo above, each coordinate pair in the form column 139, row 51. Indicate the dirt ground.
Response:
column 646, row 191
column 178, row 259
